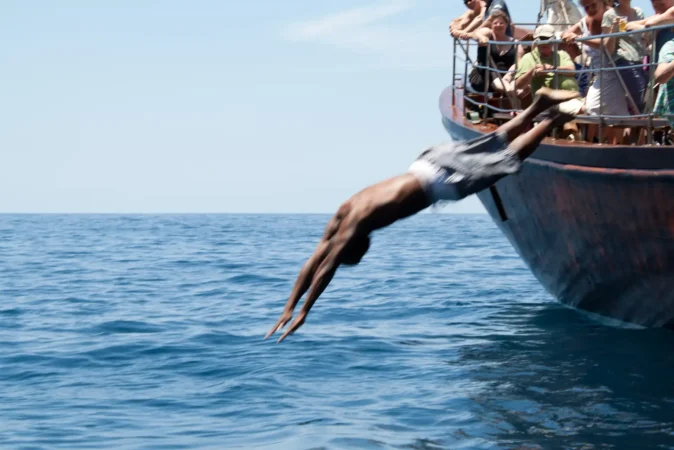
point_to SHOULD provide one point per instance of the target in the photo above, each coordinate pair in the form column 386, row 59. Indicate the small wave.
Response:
column 218, row 338
column 115, row 353
column 216, row 292
column 12, row 311
column 254, row 278
column 127, row 326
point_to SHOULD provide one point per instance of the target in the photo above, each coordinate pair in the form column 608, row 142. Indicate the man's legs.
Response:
column 545, row 99
column 525, row 144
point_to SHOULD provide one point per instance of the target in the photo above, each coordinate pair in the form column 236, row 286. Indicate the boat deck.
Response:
column 562, row 151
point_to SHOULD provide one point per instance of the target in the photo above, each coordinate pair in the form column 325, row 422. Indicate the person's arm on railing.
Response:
column 637, row 25
column 482, row 36
column 666, row 18
column 487, row 22
column 460, row 23
column 572, row 33
column 474, row 25
column 575, row 31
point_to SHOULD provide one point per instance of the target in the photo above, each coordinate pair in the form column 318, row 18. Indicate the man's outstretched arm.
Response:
column 320, row 281
column 304, row 280
column 321, row 275
column 306, row 275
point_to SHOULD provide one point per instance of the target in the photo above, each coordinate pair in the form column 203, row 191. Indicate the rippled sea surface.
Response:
column 146, row 332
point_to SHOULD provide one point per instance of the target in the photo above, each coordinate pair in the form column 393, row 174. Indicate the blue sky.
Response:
column 218, row 105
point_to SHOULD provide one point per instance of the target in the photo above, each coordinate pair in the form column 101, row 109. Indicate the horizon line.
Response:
column 81, row 213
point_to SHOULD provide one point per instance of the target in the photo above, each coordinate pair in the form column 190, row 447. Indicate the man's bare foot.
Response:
column 546, row 97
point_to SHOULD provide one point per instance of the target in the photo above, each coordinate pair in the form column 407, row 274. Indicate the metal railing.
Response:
column 606, row 65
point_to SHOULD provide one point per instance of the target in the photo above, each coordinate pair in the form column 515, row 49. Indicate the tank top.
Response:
column 592, row 53
column 503, row 61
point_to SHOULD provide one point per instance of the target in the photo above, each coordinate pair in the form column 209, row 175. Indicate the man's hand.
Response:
column 540, row 70
column 568, row 37
column 615, row 26
column 634, row 26
column 314, row 277
column 281, row 322
column 305, row 281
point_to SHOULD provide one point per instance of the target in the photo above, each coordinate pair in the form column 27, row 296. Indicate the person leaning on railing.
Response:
column 606, row 94
column 469, row 21
column 664, row 51
column 664, row 76
column 589, row 25
column 664, row 10
column 499, row 56
column 628, row 50
column 480, row 14
column 535, row 68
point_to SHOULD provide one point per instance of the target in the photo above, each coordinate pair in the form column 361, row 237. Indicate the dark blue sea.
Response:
column 146, row 332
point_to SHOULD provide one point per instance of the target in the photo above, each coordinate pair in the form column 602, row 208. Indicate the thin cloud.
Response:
column 339, row 23
column 382, row 31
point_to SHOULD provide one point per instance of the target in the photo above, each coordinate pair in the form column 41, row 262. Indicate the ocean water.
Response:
column 146, row 332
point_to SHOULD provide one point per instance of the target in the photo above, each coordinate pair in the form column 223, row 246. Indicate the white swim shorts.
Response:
column 455, row 170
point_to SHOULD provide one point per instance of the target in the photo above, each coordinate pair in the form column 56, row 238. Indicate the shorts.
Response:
column 572, row 106
column 609, row 91
column 455, row 170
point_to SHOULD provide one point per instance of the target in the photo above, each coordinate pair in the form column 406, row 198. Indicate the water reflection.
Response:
column 568, row 381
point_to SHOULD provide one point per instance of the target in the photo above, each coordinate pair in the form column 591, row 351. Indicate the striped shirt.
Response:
column 665, row 102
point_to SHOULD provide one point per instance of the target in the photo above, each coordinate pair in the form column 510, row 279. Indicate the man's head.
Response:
column 660, row 6
column 542, row 34
column 594, row 8
column 571, row 48
column 355, row 250
column 472, row 4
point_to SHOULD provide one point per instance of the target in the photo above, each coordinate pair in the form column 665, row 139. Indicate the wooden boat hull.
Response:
column 593, row 223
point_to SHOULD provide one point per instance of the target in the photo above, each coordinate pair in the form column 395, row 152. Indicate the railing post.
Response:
column 600, row 131
column 465, row 75
column 651, row 86
column 454, row 74
column 487, row 78
column 555, row 65
column 555, row 76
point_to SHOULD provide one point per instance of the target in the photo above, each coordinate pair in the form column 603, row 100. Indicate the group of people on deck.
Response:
column 523, row 69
